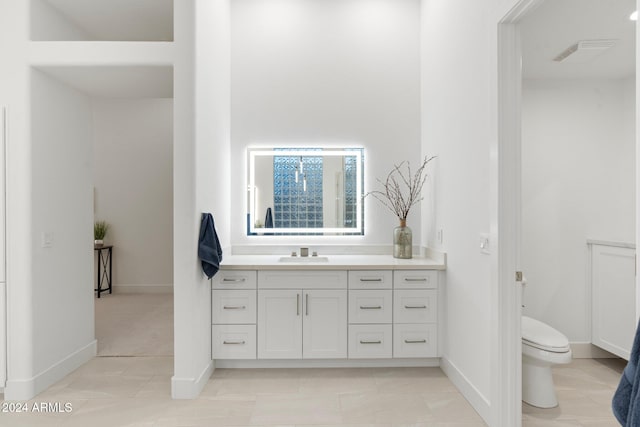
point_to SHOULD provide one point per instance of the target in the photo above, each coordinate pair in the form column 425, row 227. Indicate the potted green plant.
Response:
column 100, row 229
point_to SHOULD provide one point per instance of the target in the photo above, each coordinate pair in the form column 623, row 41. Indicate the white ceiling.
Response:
column 120, row 20
column 557, row 24
column 117, row 82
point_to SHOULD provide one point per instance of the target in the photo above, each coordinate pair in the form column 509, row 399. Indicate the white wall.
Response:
column 14, row 85
column 48, row 23
column 578, row 182
column 459, row 124
column 133, row 173
column 317, row 72
column 61, row 194
column 201, row 176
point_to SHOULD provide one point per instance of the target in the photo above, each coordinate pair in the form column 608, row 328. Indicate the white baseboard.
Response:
column 27, row 389
column 327, row 363
column 143, row 289
column 190, row 388
column 468, row 390
column 586, row 350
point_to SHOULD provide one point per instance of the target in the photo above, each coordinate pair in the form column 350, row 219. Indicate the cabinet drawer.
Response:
column 415, row 306
column 233, row 341
column 370, row 306
column 371, row 279
column 234, row 279
column 233, row 307
column 415, row 340
column 302, row 279
column 415, row 279
column 370, row 341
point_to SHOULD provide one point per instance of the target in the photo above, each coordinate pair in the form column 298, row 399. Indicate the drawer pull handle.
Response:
column 373, row 279
column 370, row 342
column 370, row 307
column 416, row 279
column 233, row 342
column 297, row 304
column 415, row 306
column 415, row 341
column 236, row 280
column 234, row 307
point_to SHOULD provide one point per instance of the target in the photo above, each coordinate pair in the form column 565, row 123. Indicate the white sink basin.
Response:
column 301, row 259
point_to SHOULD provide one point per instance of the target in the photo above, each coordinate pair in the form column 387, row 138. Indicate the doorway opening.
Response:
column 544, row 197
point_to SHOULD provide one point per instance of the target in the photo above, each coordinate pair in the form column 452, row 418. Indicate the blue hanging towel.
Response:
column 268, row 219
column 626, row 400
column 209, row 250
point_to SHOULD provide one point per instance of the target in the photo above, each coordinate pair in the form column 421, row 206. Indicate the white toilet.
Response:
column 542, row 347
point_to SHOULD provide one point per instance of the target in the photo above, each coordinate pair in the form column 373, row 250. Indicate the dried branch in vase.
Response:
column 402, row 189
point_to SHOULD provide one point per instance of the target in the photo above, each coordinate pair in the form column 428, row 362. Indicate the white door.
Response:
column 325, row 324
column 279, row 324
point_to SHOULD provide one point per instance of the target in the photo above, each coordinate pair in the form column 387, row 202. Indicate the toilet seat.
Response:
column 542, row 336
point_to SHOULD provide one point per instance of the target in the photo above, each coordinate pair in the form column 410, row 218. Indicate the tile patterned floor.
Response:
column 134, row 391
column 134, row 324
column 585, row 388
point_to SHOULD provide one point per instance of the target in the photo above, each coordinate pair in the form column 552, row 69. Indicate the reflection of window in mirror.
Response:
column 306, row 191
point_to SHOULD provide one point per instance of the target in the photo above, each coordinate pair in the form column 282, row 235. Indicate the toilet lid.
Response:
column 543, row 336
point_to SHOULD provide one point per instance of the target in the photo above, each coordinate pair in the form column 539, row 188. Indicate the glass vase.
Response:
column 402, row 241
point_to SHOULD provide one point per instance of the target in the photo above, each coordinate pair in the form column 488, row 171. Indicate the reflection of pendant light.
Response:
column 296, row 174
column 304, row 182
column 301, row 171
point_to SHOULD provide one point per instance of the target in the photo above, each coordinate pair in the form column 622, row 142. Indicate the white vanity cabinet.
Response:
column 302, row 314
column 233, row 315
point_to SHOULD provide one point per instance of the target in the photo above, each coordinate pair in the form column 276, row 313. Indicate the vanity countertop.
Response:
column 335, row 262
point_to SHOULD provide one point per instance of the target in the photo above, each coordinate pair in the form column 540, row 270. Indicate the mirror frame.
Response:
column 358, row 153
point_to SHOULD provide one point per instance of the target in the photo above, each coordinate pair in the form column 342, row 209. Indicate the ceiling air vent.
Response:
column 584, row 51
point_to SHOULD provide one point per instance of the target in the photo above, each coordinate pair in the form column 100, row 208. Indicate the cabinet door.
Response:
column 415, row 306
column 613, row 299
column 325, row 324
column 279, row 324
column 374, row 306
column 233, row 307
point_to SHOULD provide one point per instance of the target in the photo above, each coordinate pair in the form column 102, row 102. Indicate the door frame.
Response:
column 506, row 382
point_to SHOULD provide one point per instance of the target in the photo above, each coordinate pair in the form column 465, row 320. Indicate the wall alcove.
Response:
column 101, row 20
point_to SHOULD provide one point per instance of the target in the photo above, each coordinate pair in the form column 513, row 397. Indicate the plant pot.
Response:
column 98, row 243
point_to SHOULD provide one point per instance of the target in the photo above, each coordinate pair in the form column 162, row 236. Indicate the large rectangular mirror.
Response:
column 305, row 191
